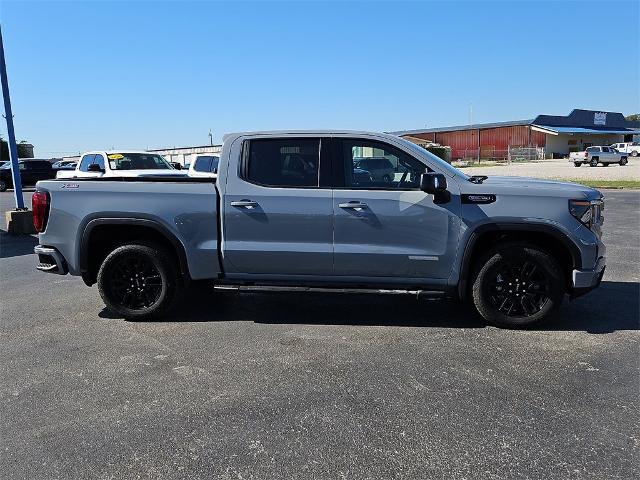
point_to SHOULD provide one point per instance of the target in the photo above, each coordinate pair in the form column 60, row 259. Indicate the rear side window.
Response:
column 206, row 163
column 290, row 162
column 592, row 149
column 85, row 162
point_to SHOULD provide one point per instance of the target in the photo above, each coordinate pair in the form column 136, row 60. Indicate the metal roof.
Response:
column 591, row 131
column 474, row 126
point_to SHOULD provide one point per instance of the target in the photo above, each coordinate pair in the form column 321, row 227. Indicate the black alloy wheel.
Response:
column 517, row 285
column 518, row 288
column 139, row 280
column 135, row 282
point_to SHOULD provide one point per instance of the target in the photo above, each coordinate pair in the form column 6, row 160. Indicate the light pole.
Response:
column 13, row 149
column 210, row 138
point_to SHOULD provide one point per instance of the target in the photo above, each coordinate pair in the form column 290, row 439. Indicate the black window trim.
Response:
column 243, row 167
column 338, row 163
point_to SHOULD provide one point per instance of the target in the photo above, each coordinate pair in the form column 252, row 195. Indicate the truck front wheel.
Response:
column 138, row 281
column 517, row 286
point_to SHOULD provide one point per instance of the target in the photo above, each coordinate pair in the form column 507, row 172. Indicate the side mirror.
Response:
column 176, row 165
column 433, row 183
column 95, row 168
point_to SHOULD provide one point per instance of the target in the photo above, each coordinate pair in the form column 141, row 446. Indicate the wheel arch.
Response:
column 549, row 238
column 101, row 235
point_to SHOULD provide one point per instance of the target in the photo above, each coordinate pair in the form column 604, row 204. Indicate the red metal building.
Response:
column 557, row 135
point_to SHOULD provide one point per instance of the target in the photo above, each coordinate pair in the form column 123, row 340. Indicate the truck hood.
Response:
column 505, row 184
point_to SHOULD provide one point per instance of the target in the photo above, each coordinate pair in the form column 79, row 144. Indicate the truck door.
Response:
column 278, row 216
column 388, row 227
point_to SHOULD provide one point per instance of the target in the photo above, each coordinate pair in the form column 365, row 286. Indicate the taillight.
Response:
column 40, row 208
column 586, row 154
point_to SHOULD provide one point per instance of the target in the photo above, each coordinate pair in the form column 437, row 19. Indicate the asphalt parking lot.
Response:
column 252, row 386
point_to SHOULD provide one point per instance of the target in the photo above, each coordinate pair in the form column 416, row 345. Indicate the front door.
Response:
column 277, row 216
column 386, row 226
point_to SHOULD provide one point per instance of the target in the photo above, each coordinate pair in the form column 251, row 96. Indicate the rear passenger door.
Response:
column 278, row 212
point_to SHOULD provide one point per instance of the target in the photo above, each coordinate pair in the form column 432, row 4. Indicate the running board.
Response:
column 276, row 288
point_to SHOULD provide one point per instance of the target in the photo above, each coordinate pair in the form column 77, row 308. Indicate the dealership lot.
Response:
column 297, row 385
column 561, row 169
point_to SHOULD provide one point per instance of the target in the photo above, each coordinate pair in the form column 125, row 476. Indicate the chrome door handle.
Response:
column 354, row 205
column 244, row 204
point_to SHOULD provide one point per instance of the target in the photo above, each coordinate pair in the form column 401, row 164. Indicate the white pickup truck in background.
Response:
column 595, row 155
column 120, row 164
column 632, row 148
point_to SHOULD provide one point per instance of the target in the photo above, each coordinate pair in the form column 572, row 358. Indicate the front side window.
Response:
column 137, row 161
column 376, row 165
column 283, row 162
column 85, row 162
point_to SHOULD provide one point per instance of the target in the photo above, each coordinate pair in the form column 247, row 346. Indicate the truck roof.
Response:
column 307, row 132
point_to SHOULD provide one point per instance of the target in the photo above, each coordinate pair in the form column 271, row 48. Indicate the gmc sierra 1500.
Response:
column 299, row 209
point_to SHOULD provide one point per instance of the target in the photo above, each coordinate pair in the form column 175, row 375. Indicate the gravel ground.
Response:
column 562, row 169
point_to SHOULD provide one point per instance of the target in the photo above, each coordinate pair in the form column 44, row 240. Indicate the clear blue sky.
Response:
column 87, row 75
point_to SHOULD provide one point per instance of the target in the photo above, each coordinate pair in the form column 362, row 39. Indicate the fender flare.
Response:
column 465, row 267
column 134, row 221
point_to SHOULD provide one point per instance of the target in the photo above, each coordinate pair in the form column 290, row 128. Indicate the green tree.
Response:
column 23, row 150
column 633, row 118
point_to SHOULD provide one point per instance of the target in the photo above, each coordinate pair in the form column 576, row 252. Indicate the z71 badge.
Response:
column 70, row 185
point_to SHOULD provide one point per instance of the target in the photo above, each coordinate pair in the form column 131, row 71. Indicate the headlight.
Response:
column 588, row 212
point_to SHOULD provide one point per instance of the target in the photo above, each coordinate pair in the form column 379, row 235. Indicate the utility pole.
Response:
column 210, row 138
column 13, row 149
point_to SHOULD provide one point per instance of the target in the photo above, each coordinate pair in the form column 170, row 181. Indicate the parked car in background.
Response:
column 119, row 163
column 65, row 165
column 31, row 171
column 598, row 155
column 204, row 165
column 631, row 148
column 380, row 168
column 286, row 209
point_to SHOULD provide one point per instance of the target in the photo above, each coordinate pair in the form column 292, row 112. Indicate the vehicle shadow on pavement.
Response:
column 614, row 306
column 16, row 245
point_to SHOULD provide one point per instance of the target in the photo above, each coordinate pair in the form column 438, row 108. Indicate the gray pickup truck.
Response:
column 298, row 209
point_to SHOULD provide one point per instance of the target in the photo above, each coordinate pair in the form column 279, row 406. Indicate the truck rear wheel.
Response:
column 577, row 164
column 634, row 153
column 594, row 162
column 517, row 286
column 138, row 281
column 3, row 186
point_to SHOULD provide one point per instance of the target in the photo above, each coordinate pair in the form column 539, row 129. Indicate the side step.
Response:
column 430, row 294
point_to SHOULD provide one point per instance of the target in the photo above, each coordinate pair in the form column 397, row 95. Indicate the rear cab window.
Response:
column 282, row 162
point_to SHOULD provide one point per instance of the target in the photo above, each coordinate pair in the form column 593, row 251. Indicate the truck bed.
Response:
column 159, row 202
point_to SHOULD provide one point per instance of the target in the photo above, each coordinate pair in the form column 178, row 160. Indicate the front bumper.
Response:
column 584, row 281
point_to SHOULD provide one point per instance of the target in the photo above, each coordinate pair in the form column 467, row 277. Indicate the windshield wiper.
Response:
column 477, row 178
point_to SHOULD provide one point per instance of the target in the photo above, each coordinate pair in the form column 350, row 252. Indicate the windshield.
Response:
column 450, row 169
column 137, row 161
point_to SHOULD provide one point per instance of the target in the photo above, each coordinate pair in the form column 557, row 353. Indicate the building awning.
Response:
column 579, row 130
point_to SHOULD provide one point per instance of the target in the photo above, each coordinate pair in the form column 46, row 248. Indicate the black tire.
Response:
column 634, row 153
column 511, row 273
column 3, row 186
column 623, row 161
column 386, row 178
column 577, row 164
column 154, row 281
column 593, row 162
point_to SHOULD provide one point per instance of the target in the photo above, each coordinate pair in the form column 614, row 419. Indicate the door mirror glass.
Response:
column 433, row 182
